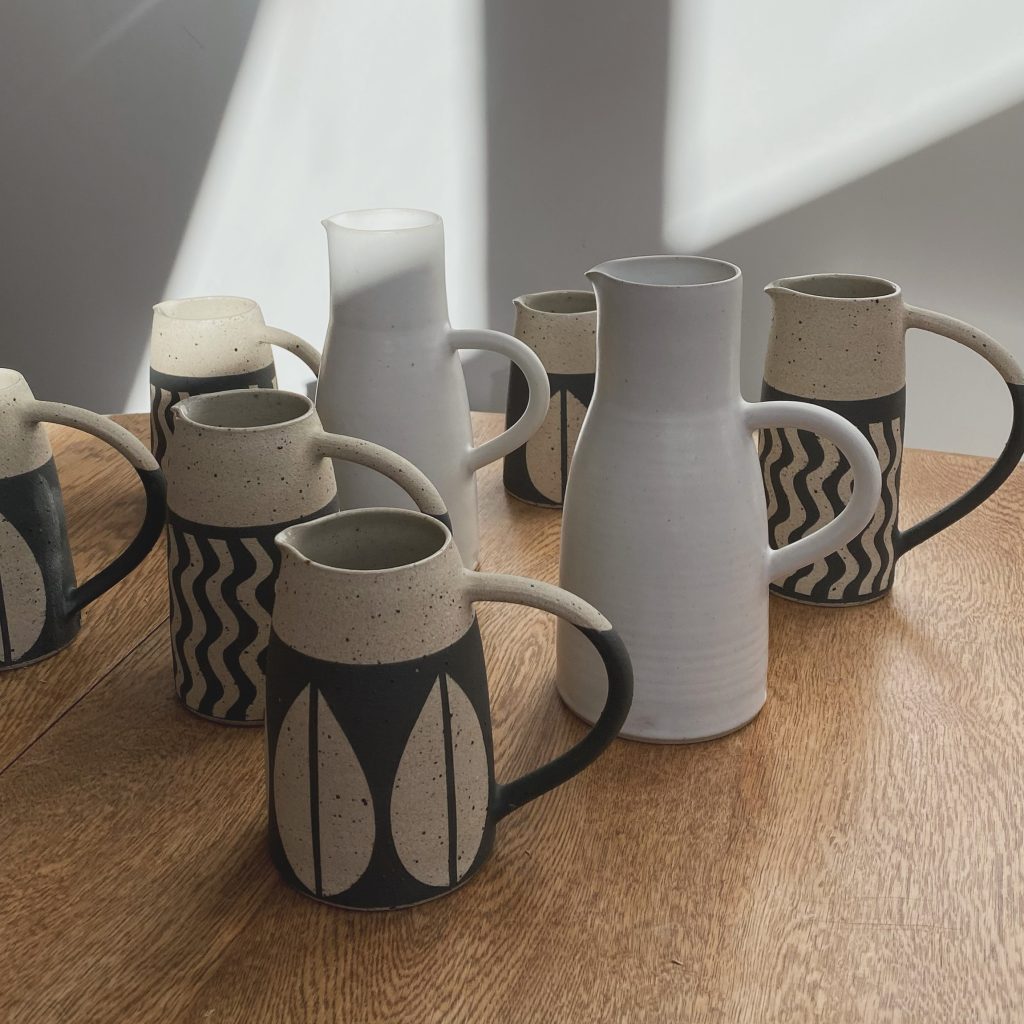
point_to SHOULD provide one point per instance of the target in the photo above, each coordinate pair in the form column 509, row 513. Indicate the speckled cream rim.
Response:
column 286, row 538
column 375, row 219
column 531, row 299
column 10, row 379
column 173, row 309
column 259, row 396
column 613, row 269
column 892, row 290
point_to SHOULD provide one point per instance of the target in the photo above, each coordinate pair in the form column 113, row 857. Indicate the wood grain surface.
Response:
column 855, row 854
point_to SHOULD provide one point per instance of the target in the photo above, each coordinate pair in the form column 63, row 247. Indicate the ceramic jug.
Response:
column 837, row 340
column 664, row 519
column 207, row 344
column 241, row 466
column 391, row 369
column 561, row 327
column 380, row 770
column 40, row 602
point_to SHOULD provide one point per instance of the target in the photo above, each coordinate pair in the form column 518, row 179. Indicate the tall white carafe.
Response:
column 664, row 524
column 391, row 371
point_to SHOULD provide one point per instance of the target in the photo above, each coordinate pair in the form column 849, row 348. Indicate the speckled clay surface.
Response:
column 208, row 344
column 242, row 465
column 561, row 328
column 663, row 527
column 380, row 765
column 837, row 340
column 392, row 372
column 39, row 599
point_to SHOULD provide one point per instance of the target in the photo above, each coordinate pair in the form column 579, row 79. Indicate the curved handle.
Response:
column 536, row 377
column 153, row 484
column 989, row 349
column 294, row 344
column 488, row 586
column 867, row 480
column 394, row 467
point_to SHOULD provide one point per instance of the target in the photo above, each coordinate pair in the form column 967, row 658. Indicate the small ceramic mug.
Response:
column 207, row 344
column 40, row 603
column 561, row 328
column 380, row 770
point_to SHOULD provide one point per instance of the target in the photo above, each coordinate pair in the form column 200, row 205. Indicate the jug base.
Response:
column 236, row 722
column 12, row 666
column 797, row 599
column 398, row 906
column 535, row 504
column 666, row 740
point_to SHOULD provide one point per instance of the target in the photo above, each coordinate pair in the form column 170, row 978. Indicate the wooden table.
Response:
column 855, row 854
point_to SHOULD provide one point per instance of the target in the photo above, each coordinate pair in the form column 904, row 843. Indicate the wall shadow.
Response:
column 576, row 106
column 109, row 122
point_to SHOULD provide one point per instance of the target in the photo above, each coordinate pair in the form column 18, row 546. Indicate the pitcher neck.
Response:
column 668, row 333
column 386, row 269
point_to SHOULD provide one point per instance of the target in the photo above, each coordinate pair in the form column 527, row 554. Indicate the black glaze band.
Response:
column 997, row 474
column 513, row 795
column 262, row 378
column 155, row 487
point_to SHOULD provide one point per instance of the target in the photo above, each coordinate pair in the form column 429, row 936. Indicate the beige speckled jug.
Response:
column 380, row 770
column 240, row 467
column 561, row 327
column 837, row 341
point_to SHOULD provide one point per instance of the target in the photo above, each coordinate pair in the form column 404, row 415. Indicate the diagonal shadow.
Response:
column 104, row 152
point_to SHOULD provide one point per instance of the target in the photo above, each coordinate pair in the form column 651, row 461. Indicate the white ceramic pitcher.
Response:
column 664, row 524
column 391, row 371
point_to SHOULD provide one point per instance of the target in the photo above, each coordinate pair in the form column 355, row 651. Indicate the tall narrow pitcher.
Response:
column 664, row 522
column 391, row 371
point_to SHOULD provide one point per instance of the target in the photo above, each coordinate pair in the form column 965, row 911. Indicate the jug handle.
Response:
column 294, row 344
column 867, row 480
column 989, row 349
column 489, row 586
column 153, row 484
column 374, row 456
column 536, row 376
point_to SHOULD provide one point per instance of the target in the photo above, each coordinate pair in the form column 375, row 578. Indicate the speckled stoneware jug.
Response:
column 392, row 372
column 380, row 771
column 211, row 343
column 241, row 466
column 40, row 603
column 837, row 340
column 561, row 327
column 664, row 519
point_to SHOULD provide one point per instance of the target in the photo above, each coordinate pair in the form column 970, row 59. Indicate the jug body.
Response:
column 212, row 343
column 40, row 601
column 380, row 768
column 242, row 466
column 561, row 328
column 392, row 373
column 837, row 341
column 664, row 517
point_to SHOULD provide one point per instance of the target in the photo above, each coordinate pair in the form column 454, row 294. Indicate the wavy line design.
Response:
column 222, row 591
column 807, row 483
column 161, row 424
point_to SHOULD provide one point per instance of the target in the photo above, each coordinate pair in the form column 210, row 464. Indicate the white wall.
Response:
column 153, row 148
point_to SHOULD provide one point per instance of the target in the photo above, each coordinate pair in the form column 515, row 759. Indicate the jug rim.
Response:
column 540, row 302
column 870, row 287
column 661, row 271
column 303, row 406
column 383, row 218
column 434, row 548
column 173, row 309
column 10, row 378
